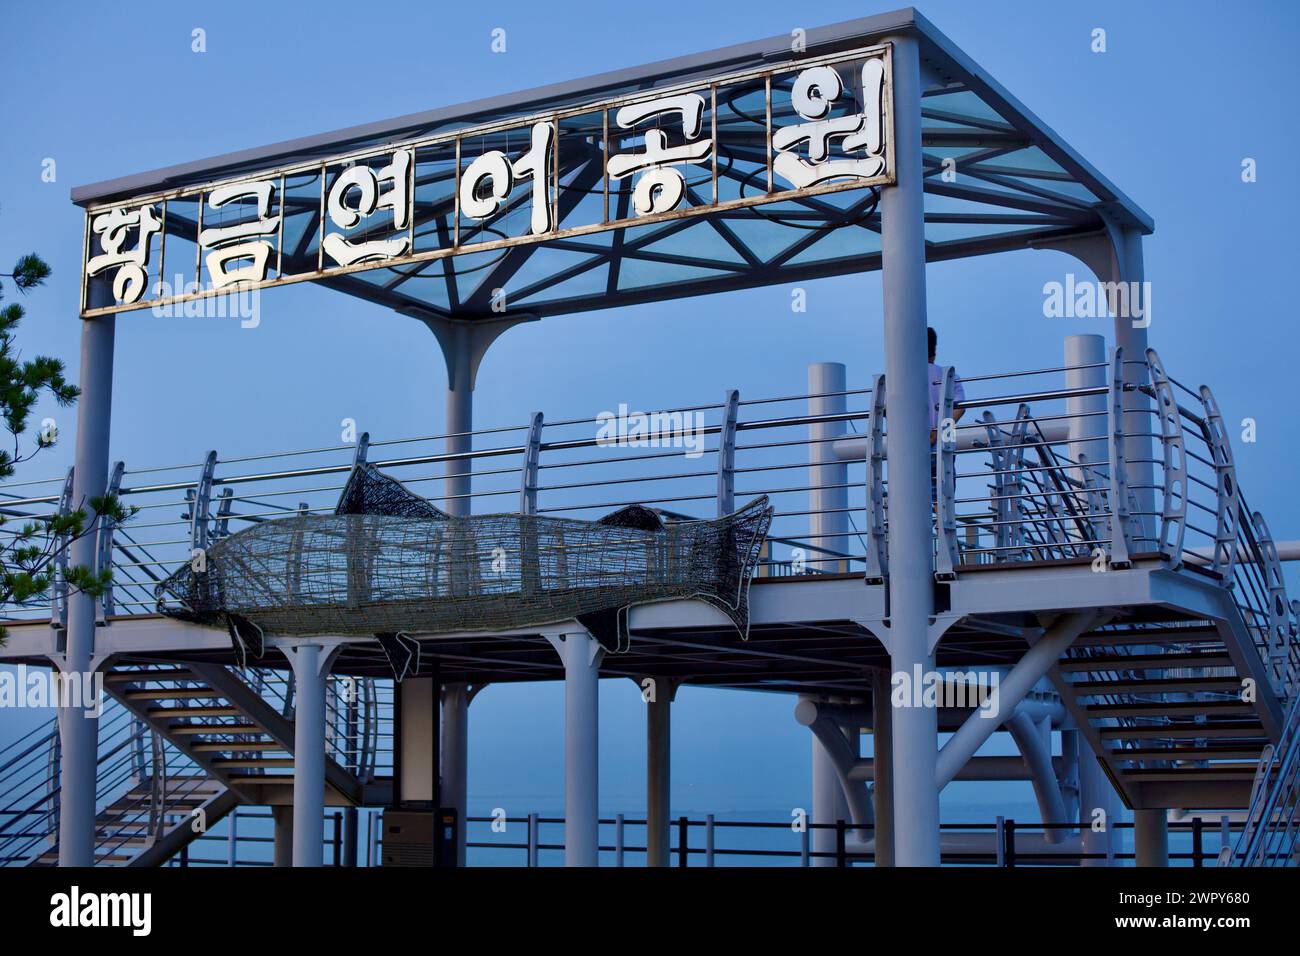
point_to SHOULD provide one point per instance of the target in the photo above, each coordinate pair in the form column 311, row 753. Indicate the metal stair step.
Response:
column 1187, row 731
column 224, row 762
column 195, row 712
column 215, row 729
column 1173, row 685
column 1170, row 708
column 136, row 677
column 232, row 746
column 1139, row 662
column 1187, row 753
column 1221, row 772
column 171, row 693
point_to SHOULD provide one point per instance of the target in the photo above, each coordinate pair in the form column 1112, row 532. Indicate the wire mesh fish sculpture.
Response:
column 389, row 564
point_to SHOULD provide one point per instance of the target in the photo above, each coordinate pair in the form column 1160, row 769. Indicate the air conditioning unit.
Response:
column 422, row 838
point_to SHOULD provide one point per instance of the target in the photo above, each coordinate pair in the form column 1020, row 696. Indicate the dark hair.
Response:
column 934, row 340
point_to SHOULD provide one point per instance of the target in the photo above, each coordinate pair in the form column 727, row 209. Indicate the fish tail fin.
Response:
column 741, row 537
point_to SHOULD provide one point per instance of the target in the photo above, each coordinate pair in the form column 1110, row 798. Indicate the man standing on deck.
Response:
column 936, row 401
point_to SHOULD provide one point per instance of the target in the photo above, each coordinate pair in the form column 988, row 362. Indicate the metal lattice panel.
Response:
column 390, row 562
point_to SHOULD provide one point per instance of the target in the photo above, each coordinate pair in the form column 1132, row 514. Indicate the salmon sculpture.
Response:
column 389, row 564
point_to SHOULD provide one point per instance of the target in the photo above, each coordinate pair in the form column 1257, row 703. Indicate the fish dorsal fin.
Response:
column 370, row 492
column 638, row 517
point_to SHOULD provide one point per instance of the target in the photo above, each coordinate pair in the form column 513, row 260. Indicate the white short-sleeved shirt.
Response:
column 936, row 392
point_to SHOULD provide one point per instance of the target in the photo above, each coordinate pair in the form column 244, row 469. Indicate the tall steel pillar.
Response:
column 658, row 772
column 907, row 398
column 828, row 502
column 1151, row 837
column 1131, row 335
column 79, row 726
column 455, row 758
column 311, row 663
column 581, row 655
column 1087, row 367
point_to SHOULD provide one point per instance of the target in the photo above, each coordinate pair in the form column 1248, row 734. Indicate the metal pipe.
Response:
column 911, row 565
column 659, row 773
column 79, row 726
column 455, row 758
column 827, row 477
column 1037, row 756
column 581, row 655
column 310, row 664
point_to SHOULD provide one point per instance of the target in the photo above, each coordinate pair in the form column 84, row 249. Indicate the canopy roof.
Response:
column 1017, row 184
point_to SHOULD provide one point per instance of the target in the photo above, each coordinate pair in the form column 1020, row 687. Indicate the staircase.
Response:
column 180, row 747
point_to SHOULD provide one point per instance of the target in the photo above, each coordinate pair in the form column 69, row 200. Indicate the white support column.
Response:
column 907, row 391
column 829, row 499
column 1151, row 837
column 1086, row 414
column 581, row 655
column 455, row 758
column 1098, row 807
column 459, row 420
column 828, row 803
column 1131, row 336
column 78, row 726
column 658, row 774
column 311, row 663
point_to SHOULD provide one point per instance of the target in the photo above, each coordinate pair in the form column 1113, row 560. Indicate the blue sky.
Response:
column 1168, row 113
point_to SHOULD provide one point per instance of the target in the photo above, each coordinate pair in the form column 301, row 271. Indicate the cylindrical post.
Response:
column 455, row 759
column 459, row 423
column 1086, row 414
column 79, row 725
column 708, row 839
column 350, row 836
column 907, row 400
column 581, row 655
column 282, row 845
column 310, row 663
column 532, row 839
column 619, row 831
column 1198, row 841
column 683, row 841
column 1151, row 837
column 829, row 499
column 1131, row 336
column 232, row 838
column 828, row 802
column 658, row 774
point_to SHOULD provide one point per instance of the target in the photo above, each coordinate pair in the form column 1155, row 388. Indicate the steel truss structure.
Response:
column 1084, row 545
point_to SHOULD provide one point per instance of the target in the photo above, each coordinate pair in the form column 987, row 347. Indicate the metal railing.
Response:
column 709, row 841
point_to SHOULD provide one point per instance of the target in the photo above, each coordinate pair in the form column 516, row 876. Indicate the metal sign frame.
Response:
column 706, row 87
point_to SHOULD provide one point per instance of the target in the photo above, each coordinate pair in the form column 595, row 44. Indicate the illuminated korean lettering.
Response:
column 238, row 242
column 114, row 230
column 357, row 194
column 661, row 187
column 488, row 181
column 815, row 93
